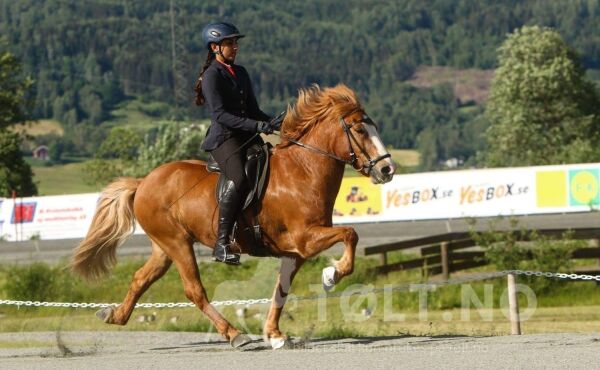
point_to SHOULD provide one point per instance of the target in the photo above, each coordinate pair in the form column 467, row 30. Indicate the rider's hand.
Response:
column 276, row 122
column 264, row 127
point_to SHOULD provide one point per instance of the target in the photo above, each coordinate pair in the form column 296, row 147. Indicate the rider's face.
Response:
column 227, row 50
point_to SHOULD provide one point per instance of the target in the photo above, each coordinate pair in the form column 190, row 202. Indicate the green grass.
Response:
column 62, row 179
column 568, row 307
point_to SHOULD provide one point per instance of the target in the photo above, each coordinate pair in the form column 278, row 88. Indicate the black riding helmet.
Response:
column 217, row 32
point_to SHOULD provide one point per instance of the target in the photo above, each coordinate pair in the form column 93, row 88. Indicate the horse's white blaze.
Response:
column 376, row 140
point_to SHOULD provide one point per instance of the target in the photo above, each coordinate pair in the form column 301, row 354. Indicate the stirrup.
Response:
column 228, row 258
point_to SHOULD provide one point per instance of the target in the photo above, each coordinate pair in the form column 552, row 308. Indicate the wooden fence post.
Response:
column 445, row 261
column 383, row 259
column 598, row 246
column 513, row 304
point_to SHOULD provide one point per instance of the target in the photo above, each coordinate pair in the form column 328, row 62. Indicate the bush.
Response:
column 36, row 282
column 528, row 250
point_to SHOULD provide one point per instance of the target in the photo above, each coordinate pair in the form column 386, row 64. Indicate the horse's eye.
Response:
column 359, row 128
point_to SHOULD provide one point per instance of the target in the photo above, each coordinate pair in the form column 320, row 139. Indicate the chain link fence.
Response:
column 250, row 302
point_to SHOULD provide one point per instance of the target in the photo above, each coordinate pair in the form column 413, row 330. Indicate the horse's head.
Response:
column 360, row 139
column 342, row 130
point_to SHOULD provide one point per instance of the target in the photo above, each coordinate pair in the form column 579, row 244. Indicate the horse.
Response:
column 175, row 204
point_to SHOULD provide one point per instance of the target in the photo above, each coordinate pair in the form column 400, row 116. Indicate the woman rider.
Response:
column 226, row 89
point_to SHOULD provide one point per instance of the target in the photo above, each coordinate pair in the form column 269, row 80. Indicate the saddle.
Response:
column 257, row 171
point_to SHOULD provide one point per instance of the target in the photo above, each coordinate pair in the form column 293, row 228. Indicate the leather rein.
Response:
column 368, row 166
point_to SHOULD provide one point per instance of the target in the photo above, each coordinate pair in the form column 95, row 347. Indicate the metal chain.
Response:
column 249, row 302
column 559, row 275
column 406, row 286
column 237, row 302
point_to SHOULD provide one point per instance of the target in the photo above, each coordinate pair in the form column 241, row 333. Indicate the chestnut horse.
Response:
column 175, row 205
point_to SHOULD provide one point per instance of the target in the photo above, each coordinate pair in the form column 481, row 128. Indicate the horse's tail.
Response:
column 112, row 223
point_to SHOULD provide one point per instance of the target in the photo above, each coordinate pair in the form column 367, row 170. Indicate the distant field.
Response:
column 406, row 157
column 62, row 179
column 468, row 84
column 41, row 127
column 128, row 114
column 139, row 116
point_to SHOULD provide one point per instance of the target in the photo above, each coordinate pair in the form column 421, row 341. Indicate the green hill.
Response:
column 415, row 64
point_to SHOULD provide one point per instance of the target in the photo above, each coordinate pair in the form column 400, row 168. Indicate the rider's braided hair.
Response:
column 198, row 88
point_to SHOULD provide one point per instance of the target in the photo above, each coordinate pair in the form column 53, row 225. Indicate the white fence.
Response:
column 421, row 196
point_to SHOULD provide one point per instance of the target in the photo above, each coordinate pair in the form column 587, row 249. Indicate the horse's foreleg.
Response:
column 152, row 270
column 287, row 271
column 322, row 238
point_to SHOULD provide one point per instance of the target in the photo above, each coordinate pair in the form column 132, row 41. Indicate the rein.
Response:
column 368, row 166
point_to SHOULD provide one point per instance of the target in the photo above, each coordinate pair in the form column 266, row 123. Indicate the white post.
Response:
column 513, row 304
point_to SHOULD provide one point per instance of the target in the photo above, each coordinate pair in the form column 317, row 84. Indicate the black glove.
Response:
column 277, row 121
column 264, row 127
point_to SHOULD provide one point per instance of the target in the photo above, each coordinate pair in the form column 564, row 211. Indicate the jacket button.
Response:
column 241, row 91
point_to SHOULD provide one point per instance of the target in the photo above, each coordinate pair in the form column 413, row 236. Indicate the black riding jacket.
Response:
column 233, row 106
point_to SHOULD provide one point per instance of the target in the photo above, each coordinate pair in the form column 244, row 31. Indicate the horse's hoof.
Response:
column 328, row 278
column 277, row 343
column 105, row 313
column 240, row 340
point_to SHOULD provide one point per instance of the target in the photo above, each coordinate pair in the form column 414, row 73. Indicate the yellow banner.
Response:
column 358, row 197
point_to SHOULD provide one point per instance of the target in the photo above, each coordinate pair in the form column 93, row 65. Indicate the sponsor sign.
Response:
column 421, row 196
column 358, row 199
column 487, row 193
column 52, row 217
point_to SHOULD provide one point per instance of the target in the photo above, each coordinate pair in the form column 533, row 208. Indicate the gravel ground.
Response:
column 169, row 350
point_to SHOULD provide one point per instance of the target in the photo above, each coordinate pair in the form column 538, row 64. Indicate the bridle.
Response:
column 368, row 165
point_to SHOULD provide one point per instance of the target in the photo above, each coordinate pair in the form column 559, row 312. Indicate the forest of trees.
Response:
column 88, row 56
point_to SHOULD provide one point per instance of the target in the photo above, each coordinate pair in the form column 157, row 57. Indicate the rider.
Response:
column 235, row 121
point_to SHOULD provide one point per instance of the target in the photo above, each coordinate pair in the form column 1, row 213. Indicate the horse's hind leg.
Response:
column 185, row 261
column 152, row 270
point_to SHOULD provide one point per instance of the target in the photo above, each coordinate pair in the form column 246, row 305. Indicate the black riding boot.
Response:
column 228, row 209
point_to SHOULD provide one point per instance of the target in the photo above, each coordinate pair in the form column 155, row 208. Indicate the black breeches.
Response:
column 231, row 159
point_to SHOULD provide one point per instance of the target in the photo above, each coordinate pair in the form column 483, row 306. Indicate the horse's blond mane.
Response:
column 315, row 104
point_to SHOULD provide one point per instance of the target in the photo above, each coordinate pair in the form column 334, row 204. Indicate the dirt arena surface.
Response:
column 170, row 350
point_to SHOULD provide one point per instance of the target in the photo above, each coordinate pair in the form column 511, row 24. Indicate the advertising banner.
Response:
column 419, row 196
column 51, row 217
column 492, row 192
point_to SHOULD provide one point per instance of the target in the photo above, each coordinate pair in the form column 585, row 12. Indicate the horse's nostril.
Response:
column 386, row 170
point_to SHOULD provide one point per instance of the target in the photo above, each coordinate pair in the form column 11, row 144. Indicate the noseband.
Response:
column 370, row 163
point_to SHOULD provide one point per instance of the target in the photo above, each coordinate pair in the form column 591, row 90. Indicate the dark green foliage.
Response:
column 122, row 143
column 36, row 282
column 14, row 103
column 528, row 250
column 89, row 56
column 542, row 110
column 15, row 173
